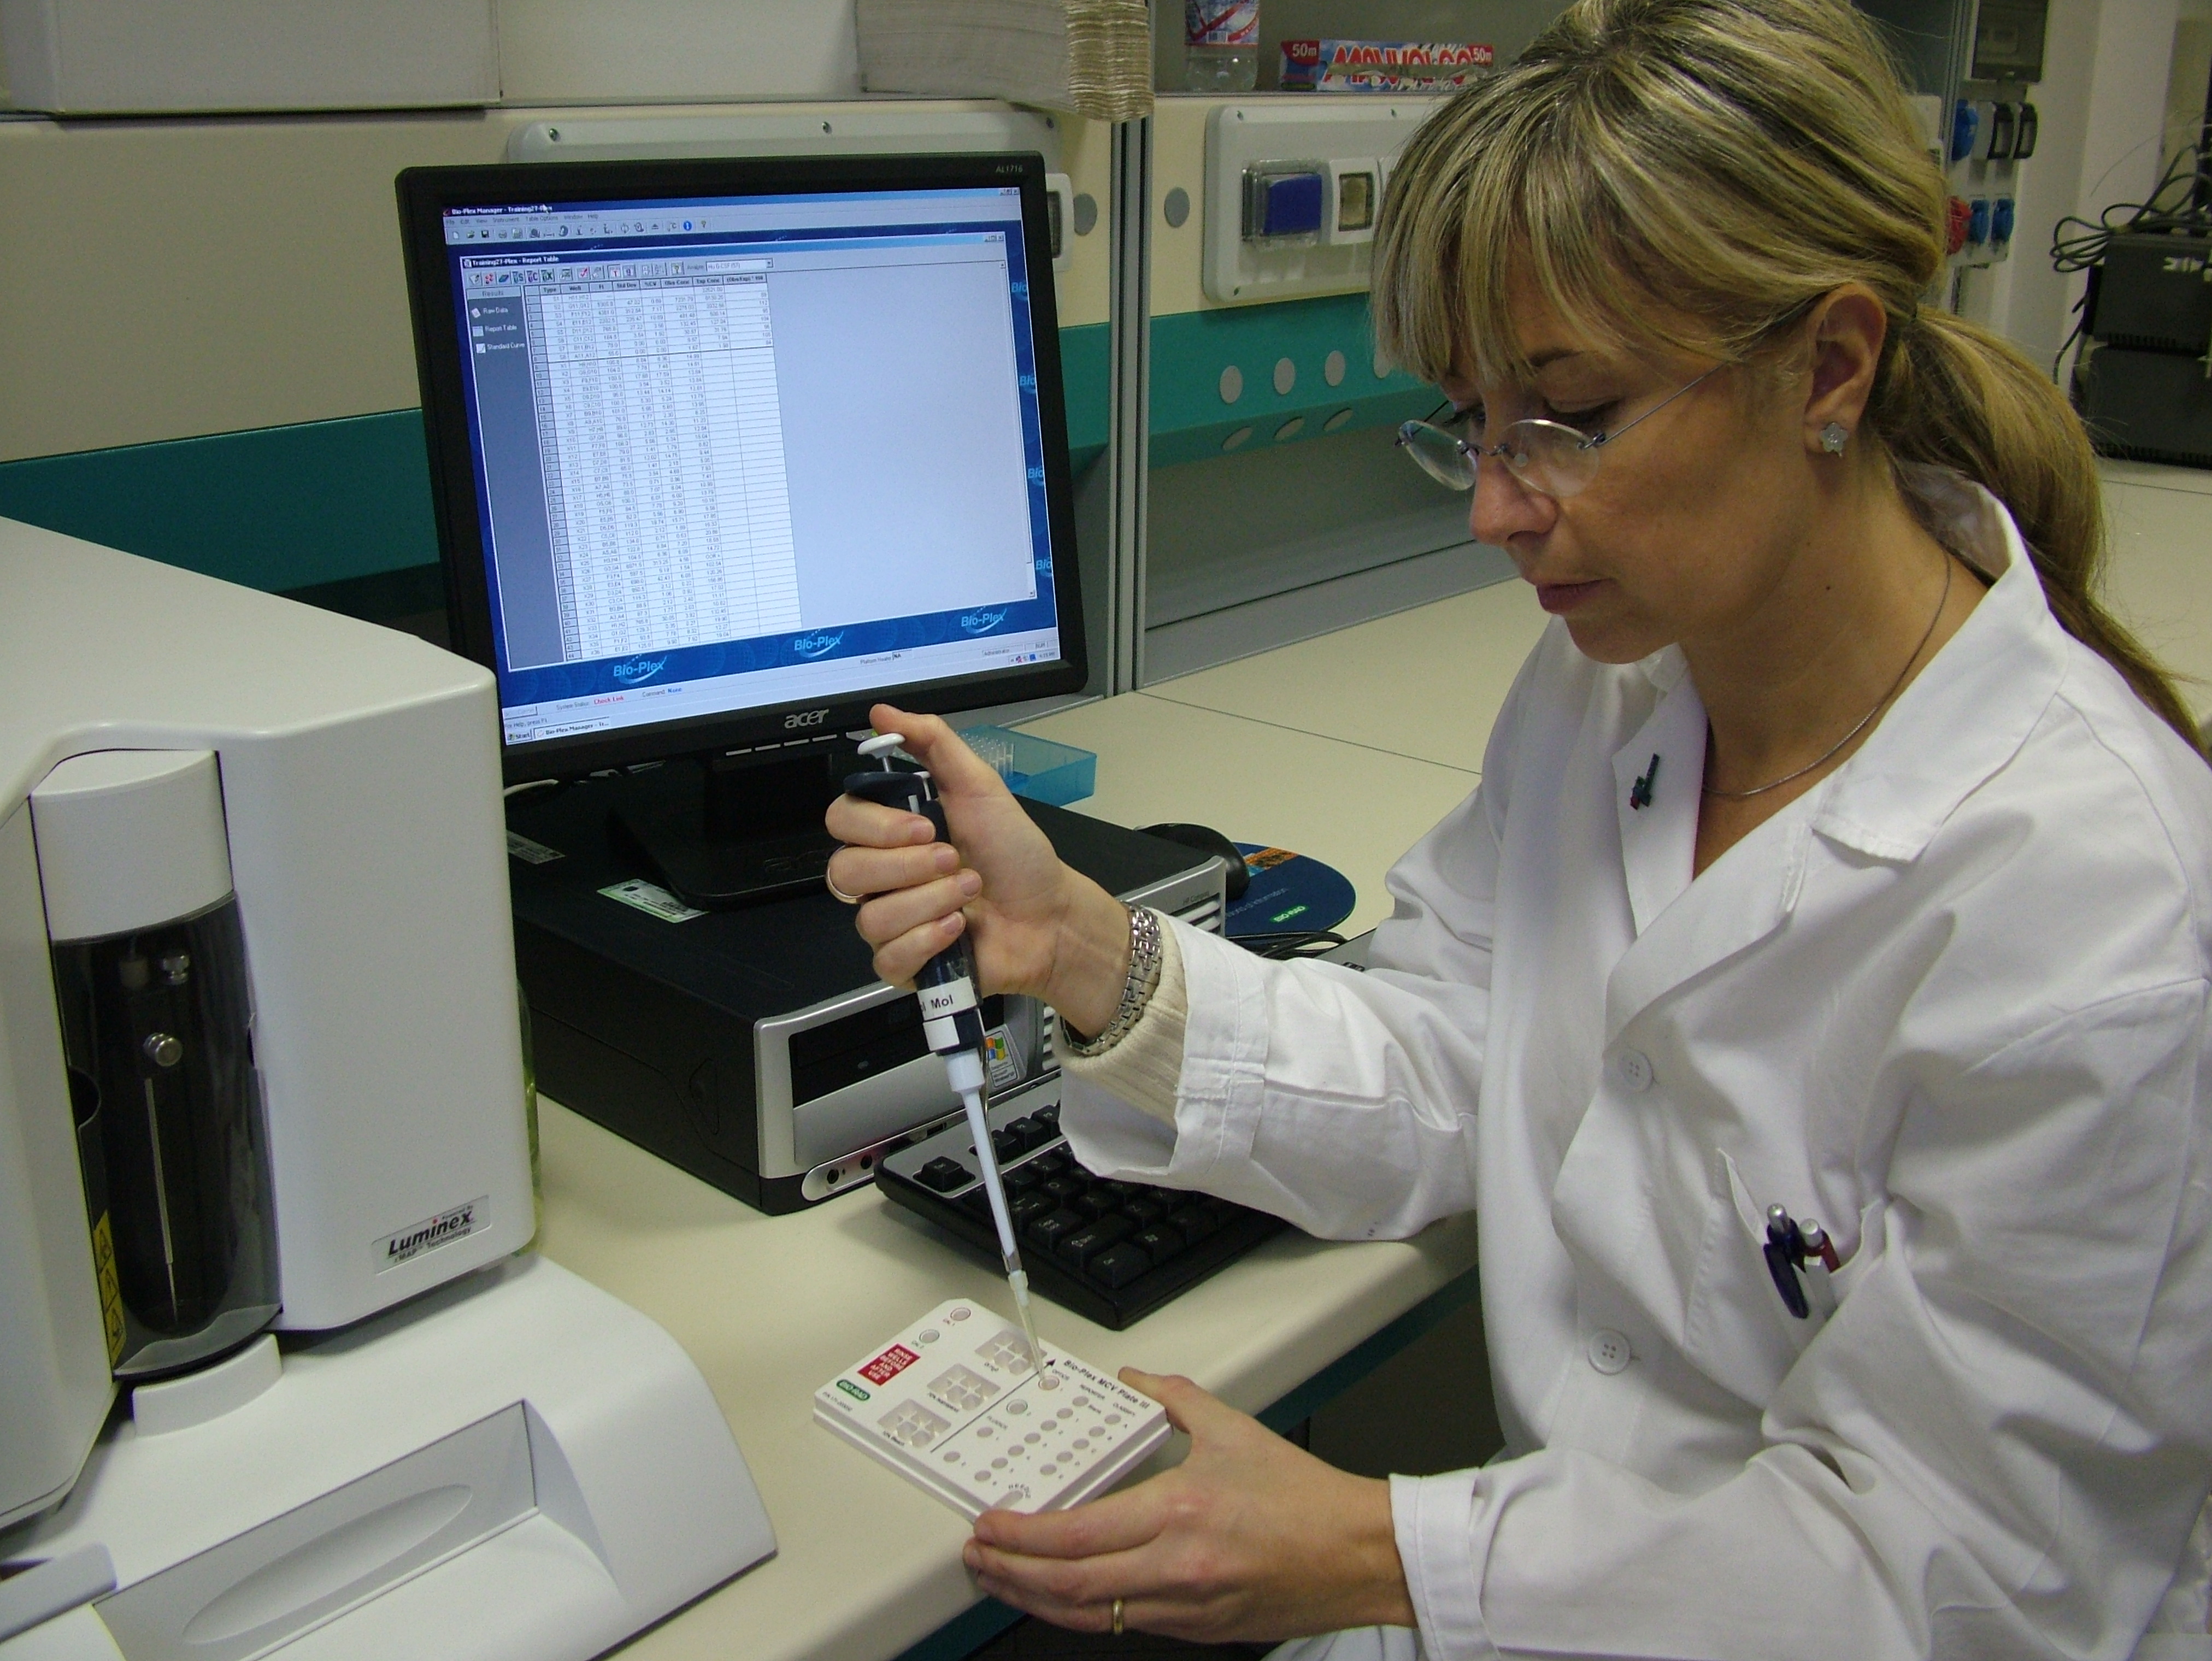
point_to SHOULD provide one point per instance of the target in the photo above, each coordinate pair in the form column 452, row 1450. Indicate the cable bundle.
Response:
column 2079, row 244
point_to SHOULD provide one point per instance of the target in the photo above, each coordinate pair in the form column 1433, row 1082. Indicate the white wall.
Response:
column 2192, row 65
column 165, row 279
column 639, row 51
column 556, row 51
column 277, row 294
column 2102, row 105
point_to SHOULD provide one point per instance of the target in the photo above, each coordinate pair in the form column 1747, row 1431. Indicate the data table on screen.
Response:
column 660, row 434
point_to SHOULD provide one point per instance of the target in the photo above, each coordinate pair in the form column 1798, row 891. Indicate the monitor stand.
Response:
column 720, row 831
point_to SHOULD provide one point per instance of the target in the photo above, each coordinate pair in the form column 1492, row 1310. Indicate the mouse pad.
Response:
column 1289, row 891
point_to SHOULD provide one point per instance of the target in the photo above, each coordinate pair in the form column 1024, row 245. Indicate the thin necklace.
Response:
column 1776, row 783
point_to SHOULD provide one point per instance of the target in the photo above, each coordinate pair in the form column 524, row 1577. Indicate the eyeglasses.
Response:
column 1549, row 456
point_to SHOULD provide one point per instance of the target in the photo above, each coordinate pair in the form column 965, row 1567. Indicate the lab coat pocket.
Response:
column 1737, row 1329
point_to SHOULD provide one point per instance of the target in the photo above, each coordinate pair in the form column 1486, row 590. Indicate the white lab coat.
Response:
column 1952, row 1003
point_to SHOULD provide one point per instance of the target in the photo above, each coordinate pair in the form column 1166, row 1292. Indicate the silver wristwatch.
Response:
column 1143, row 978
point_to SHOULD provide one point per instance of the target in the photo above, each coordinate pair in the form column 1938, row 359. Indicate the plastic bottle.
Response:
column 1221, row 45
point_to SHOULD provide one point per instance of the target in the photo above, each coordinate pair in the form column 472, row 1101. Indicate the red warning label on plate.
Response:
column 889, row 1365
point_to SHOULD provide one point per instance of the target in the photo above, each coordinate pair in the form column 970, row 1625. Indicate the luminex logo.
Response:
column 982, row 622
column 631, row 670
column 817, row 645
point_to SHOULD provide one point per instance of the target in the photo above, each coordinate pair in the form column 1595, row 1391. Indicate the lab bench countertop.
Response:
column 771, row 1308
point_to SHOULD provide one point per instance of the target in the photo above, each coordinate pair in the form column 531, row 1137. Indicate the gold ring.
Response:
column 1117, row 1617
column 837, row 893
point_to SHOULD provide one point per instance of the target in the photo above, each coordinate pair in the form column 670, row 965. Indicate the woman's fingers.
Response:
column 1144, row 1571
column 1248, row 1538
column 899, row 961
column 957, row 770
column 1158, row 1592
column 1083, row 1617
column 1116, row 1523
column 890, row 915
column 1190, row 1408
column 857, row 823
column 863, row 872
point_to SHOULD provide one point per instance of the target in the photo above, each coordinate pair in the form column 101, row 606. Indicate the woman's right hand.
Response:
column 1035, row 926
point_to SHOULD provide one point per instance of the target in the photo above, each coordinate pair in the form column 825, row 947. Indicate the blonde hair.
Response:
column 1682, row 176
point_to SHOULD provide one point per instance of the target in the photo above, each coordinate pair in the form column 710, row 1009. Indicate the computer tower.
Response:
column 755, row 1047
column 2151, row 294
column 2146, row 406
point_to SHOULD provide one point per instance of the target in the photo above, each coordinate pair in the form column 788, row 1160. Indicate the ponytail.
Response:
column 1952, row 395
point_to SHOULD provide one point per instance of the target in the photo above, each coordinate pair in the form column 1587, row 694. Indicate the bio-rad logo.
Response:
column 430, row 1234
column 631, row 670
column 982, row 622
column 817, row 645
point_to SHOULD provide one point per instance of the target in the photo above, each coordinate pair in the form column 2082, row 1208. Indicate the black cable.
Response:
column 2202, row 194
column 2080, row 244
column 1290, row 942
column 2080, row 321
column 2085, row 247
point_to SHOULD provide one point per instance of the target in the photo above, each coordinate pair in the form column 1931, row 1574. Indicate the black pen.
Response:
column 1639, row 793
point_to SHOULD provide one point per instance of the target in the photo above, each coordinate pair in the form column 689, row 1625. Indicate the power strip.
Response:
column 952, row 1404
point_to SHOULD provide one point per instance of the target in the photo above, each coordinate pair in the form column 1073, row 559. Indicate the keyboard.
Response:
column 1111, row 1251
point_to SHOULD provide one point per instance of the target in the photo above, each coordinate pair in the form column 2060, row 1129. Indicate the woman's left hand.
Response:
column 1248, row 1539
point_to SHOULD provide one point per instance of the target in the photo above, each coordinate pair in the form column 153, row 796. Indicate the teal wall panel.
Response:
column 284, row 508
column 1085, row 372
column 1191, row 422
column 280, row 507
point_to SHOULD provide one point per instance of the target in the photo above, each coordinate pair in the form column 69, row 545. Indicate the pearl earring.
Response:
column 1834, row 436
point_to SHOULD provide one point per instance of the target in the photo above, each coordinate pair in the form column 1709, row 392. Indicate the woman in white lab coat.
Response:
column 1834, row 852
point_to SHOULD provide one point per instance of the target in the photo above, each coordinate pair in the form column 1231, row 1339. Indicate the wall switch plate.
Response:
column 1352, row 145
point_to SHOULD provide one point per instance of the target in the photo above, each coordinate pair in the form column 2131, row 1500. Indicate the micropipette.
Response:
column 950, row 1021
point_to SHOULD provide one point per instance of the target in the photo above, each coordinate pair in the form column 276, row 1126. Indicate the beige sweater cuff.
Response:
column 1146, row 1068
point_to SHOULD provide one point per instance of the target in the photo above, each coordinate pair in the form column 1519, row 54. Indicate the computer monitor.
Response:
column 725, row 451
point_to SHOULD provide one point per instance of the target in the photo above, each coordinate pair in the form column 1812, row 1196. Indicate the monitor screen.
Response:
column 742, row 442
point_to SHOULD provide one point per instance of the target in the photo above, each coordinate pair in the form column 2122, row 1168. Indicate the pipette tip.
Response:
column 1019, row 1279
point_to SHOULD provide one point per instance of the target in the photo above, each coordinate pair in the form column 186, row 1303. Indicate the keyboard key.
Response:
column 1034, row 1134
column 1080, row 1247
column 1028, row 1208
column 1118, row 1266
column 1006, row 1145
column 1054, row 1227
column 1048, row 1116
column 1195, row 1222
column 1161, row 1242
column 1109, row 1250
column 944, row 1174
